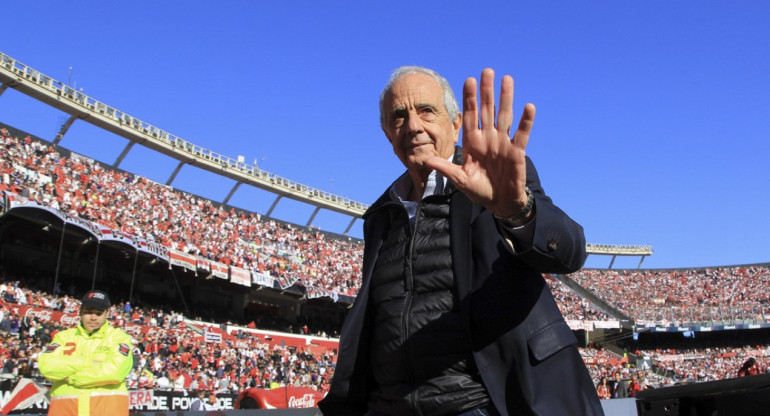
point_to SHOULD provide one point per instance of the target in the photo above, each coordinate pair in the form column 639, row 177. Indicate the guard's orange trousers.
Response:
column 95, row 404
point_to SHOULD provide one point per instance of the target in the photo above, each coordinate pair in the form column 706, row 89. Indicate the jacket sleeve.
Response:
column 57, row 361
column 113, row 370
column 558, row 243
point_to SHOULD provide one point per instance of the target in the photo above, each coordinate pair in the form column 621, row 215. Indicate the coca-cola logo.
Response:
column 306, row 401
column 70, row 320
column 155, row 332
column 42, row 315
column 134, row 330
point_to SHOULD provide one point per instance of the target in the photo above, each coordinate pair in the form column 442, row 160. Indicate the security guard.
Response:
column 88, row 364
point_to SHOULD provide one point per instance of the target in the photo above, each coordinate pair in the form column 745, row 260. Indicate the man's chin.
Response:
column 418, row 161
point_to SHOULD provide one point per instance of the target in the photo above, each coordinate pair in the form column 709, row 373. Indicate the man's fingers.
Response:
column 505, row 116
column 473, row 111
column 487, row 90
column 447, row 169
column 521, row 138
column 470, row 111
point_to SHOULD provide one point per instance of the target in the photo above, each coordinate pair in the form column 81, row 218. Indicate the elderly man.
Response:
column 453, row 316
column 88, row 364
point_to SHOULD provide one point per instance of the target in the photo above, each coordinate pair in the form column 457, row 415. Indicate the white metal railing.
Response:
column 90, row 104
column 618, row 249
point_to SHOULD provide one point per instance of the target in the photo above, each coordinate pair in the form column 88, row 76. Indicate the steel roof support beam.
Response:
column 272, row 207
column 123, row 154
column 352, row 221
column 312, row 217
column 173, row 174
column 232, row 191
column 64, row 127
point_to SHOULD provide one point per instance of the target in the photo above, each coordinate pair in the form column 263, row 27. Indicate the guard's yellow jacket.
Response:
column 88, row 371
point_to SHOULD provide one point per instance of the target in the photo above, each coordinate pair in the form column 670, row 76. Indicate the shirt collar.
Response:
column 402, row 187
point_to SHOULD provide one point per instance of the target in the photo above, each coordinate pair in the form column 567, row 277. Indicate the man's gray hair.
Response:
column 450, row 103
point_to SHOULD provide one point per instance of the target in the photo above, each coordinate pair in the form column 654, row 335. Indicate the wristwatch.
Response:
column 511, row 221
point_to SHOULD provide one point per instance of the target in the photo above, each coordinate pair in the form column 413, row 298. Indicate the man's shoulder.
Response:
column 382, row 200
column 65, row 333
column 117, row 333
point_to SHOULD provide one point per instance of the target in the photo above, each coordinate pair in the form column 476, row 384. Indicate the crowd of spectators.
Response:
column 137, row 206
column 134, row 205
column 708, row 364
column 709, row 296
column 661, row 367
column 573, row 306
column 177, row 359
column 174, row 358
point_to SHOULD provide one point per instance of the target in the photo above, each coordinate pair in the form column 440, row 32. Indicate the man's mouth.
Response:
column 415, row 146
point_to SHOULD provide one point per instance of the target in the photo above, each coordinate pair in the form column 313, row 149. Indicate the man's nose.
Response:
column 414, row 125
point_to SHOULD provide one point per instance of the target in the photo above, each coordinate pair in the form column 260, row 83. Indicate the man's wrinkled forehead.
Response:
column 414, row 91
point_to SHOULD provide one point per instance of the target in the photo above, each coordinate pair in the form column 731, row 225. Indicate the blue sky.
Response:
column 652, row 117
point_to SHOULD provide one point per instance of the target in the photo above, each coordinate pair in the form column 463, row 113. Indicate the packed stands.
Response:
column 684, row 296
column 136, row 206
column 171, row 352
column 573, row 307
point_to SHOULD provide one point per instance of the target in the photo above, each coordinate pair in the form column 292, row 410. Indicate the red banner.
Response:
column 182, row 259
column 219, row 270
column 280, row 398
column 240, row 276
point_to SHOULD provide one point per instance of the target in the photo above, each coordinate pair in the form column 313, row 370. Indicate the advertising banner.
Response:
column 139, row 400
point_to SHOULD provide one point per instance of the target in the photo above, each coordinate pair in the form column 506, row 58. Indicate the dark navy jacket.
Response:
column 524, row 350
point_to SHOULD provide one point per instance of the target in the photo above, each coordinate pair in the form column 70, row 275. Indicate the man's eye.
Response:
column 398, row 121
column 428, row 112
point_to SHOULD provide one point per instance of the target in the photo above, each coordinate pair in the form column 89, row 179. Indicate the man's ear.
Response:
column 387, row 136
column 456, row 124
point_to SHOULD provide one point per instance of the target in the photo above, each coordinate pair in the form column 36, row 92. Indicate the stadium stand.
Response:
column 40, row 172
column 170, row 351
column 133, row 206
column 709, row 296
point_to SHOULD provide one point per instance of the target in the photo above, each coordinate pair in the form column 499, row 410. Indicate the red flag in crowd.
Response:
column 25, row 394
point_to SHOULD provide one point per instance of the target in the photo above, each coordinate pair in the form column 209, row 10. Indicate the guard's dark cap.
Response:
column 96, row 299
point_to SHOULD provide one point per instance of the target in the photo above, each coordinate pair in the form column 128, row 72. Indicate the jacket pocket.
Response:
column 550, row 340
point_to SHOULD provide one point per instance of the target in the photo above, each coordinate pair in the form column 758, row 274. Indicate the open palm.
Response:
column 493, row 173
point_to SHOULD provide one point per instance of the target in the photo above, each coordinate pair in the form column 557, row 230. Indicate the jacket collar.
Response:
column 99, row 333
column 386, row 198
